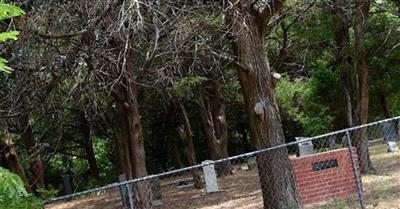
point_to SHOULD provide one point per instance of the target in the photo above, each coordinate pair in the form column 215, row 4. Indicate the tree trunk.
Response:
column 36, row 165
column 361, row 137
column 120, row 135
column 248, row 22
column 344, row 62
column 87, row 143
column 172, row 136
column 185, row 134
column 126, row 95
column 9, row 154
column 176, row 156
column 385, row 105
column 143, row 197
column 212, row 114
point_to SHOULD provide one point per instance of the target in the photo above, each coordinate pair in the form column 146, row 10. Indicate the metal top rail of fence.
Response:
column 237, row 157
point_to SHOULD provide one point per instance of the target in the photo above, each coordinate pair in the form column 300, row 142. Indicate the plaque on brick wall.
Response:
column 323, row 165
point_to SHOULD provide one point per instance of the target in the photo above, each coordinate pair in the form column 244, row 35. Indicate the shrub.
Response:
column 13, row 194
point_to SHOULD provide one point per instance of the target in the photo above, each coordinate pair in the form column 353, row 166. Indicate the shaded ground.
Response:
column 242, row 190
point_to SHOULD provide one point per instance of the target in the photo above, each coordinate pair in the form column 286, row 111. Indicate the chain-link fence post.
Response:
column 355, row 171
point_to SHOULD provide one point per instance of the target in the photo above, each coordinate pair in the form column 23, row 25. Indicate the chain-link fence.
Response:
column 352, row 168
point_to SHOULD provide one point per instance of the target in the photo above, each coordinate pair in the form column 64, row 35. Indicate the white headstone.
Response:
column 390, row 131
column 305, row 148
column 210, row 177
column 392, row 147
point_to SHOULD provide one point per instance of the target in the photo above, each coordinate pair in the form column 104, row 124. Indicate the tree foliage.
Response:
column 8, row 11
column 13, row 194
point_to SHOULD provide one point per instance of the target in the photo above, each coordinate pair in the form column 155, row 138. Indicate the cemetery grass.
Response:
column 242, row 191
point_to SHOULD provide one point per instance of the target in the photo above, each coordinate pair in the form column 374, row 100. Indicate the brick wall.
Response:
column 325, row 176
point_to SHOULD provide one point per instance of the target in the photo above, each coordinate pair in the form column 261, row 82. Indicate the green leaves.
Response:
column 8, row 11
column 299, row 99
column 4, row 67
column 186, row 85
column 13, row 194
column 10, row 35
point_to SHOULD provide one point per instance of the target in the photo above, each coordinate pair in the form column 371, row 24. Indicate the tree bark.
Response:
column 344, row 62
column 120, row 135
column 9, row 154
column 87, row 143
column 385, row 105
column 126, row 96
column 361, row 138
column 36, row 165
column 185, row 133
column 172, row 136
column 247, row 20
column 212, row 114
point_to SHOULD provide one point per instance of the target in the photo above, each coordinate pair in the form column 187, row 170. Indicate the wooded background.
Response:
column 100, row 88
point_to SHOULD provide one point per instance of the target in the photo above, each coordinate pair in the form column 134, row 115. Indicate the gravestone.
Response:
column 252, row 163
column 345, row 141
column 392, row 146
column 305, row 148
column 156, row 188
column 126, row 192
column 390, row 134
column 68, row 184
column 332, row 142
column 210, row 177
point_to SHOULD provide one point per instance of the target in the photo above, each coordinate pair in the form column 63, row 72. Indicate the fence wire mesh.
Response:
column 351, row 168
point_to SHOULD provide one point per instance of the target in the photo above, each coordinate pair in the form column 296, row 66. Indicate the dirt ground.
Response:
column 242, row 190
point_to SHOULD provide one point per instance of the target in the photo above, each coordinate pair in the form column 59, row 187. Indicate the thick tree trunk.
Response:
column 361, row 137
column 87, row 143
column 126, row 96
column 185, row 134
column 9, row 154
column 344, row 62
column 130, row 143
column 143, row 193
column 36, row 165
column 248, row 21
column 120, row 135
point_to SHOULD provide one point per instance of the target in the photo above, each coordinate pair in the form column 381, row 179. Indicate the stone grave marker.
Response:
column 68, row 184
column 252, row 164
column 390, row 132
column 332, row 142
column 210, row 177
column 392, row 146
column 305, row 148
